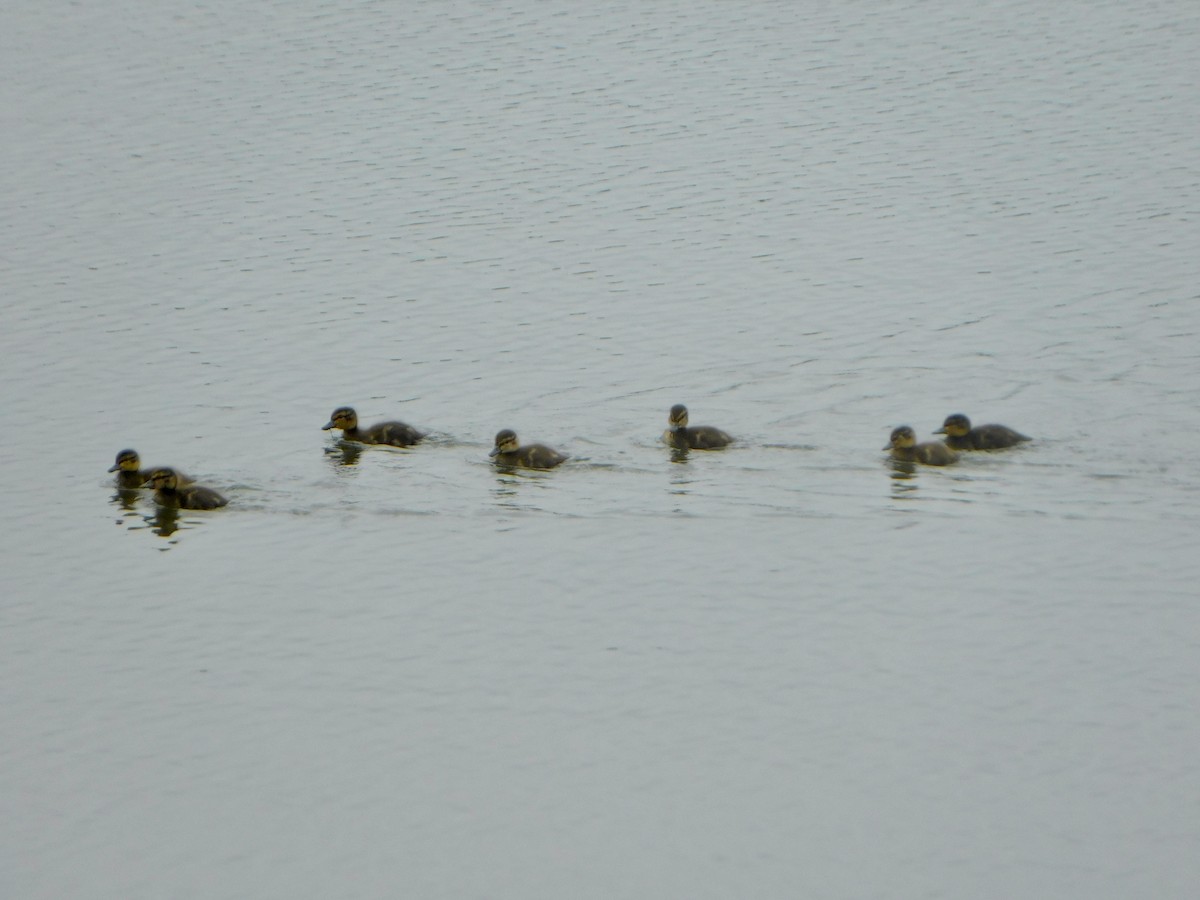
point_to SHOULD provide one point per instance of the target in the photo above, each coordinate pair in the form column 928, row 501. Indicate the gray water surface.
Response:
column 786, row 669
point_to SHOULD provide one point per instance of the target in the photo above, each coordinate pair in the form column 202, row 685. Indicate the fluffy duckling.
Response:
column 397, row 434
column 508, row 452
column 905, row 448
column 128, row 469
column 169, row 492
column 131, row 475
column 961, row 436
column 699, row 437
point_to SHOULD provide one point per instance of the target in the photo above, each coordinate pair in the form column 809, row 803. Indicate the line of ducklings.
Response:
column 508, row 450
column 174, row 489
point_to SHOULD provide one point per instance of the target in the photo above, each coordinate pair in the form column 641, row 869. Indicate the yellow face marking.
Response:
column 344, row 419
column 163, row 479
column 127, row 461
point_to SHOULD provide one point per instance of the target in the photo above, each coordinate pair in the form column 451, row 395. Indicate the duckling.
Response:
column 508, row 452
column 131, row 475
column 905, row 448
column 700, row 437
column 397, row 434
column 169, row 492
column 127, row 467
column 961, row 436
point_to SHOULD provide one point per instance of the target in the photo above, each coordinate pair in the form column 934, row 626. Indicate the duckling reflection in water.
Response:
column 165, row 520
column 961, row 436
column 699, row 437
column 905, row 448
column 131, row 475
column 345, row 454
column 395, row 434
column 169, row 492
column 508, row 452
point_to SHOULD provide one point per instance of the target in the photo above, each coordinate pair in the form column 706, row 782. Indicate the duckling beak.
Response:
column 940, row 431
column 327, row 425
column 114, row 467
column 887, row 446
column 495, row 450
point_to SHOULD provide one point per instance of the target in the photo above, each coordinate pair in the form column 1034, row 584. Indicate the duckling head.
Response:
column 163, row 479
column 127, row 461
column 506, row 442
column 956, row 425
column 344, row 418
column 902, row 438
column 678, row 416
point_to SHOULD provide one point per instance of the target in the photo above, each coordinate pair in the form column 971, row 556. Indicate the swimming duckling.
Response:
column 961, row 436
column 131, row 475
column 508, row 452
column 700, row 437
column 127, row 468
column 169, row 492
column 397, row 434
column 905, row 448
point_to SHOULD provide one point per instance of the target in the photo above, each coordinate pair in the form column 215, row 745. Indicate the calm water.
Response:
column 782, row 670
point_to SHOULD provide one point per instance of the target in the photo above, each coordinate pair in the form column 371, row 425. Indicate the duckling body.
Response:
column 131, row 475
column 509, row 452
column 905, row 448
column 395, row 434
column 699, row 437
column 169, row 492
column 961, row 436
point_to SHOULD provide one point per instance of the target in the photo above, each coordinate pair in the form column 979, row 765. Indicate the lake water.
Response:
column 783, row 670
